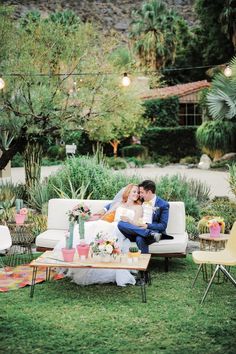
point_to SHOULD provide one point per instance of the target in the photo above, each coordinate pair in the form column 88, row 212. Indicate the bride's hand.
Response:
column 124, row 218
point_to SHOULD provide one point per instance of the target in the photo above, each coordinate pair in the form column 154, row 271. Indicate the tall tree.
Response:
column 157, row 34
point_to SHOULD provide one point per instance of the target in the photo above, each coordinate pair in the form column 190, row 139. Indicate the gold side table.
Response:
column 209, row 243
column 22, row 239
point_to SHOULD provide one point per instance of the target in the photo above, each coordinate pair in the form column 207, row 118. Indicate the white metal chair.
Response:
column 220, row 259
column 5, row 240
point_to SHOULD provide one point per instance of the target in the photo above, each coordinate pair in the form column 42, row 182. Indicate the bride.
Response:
column 127, row 208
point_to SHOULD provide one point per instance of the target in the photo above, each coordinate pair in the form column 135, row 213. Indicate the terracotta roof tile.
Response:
column 177, row 90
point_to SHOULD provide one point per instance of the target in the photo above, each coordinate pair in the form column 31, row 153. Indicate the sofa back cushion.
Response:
column 58, row 217
column 58, row 209
column 176, row 223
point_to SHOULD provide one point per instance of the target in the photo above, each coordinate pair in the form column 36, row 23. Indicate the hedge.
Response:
column 162, row 112
column 177, row 142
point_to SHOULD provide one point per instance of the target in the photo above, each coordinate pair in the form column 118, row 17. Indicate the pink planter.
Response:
column 19, row 219
column 83, row 250
column 215, row 230
column 68, row 254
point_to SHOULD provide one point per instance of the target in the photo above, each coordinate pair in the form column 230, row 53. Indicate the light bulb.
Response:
column 125, row 80
column 228, row 71
column 2, row 83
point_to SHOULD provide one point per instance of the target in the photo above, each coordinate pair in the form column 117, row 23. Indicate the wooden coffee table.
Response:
column 51, row 260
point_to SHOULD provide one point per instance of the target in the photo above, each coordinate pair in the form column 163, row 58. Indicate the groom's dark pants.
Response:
column 136, row 234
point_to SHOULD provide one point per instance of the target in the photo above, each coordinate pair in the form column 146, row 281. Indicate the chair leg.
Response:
column 227, row 274
column 210, row 283
column 198, row 271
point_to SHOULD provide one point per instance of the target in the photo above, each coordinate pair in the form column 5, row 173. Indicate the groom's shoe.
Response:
column 156, row 236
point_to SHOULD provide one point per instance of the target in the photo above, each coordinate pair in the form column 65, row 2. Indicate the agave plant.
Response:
column 221, row 99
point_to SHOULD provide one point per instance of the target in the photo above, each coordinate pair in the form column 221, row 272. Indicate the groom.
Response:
column 155, row 215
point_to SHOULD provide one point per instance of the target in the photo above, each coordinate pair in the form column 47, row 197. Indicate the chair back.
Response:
column 5, row 238
column 231, row 243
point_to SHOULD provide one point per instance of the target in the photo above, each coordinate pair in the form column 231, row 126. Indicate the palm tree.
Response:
column 221, row 99
column 155, row 32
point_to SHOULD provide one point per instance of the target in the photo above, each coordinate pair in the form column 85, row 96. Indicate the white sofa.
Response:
column 58, row 224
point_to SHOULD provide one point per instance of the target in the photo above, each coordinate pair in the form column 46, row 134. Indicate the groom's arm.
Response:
column 161, row 224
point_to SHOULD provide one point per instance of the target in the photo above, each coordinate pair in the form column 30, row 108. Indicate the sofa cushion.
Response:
column 176, row 223
column 58, row 209
column 177, row 245
column 49, row 238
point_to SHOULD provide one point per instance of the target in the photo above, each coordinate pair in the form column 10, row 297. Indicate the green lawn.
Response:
column 66, row 318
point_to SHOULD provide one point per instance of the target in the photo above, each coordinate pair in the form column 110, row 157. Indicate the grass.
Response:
column 66, row 318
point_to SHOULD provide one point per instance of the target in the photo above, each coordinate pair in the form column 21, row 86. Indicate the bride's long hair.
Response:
column 127, row 191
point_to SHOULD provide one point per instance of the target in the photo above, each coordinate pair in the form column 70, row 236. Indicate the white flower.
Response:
column 101, row 247
column 109, row 249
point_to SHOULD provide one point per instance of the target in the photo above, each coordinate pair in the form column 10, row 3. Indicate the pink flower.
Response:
column 23, row 211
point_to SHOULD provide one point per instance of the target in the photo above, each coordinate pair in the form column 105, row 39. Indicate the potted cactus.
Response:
column 134, row 252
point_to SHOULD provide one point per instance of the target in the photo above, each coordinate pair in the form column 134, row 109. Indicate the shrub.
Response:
column 189, row 160
column 177, row 188
column 176, row 142
column 162, row 112
column 116, row 162
column 135, row 150
column 101, row 182
column 17, row 160
column 191, row 227
column 232, row 178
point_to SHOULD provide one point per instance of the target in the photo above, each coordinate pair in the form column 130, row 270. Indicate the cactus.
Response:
column 202, row 225
column 133, row 249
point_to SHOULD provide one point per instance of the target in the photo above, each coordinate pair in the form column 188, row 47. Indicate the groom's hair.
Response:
column 148, row 185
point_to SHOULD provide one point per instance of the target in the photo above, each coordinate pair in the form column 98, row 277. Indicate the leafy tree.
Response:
column 41, row 102
column 214, row 36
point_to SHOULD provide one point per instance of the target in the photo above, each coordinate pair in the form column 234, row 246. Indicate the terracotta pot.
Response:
column 83, row 250
column 19, row 219
column 215, row 230
column 68, row 254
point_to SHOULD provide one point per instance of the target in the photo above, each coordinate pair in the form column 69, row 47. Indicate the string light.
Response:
column 125, row 80
column 228, row 71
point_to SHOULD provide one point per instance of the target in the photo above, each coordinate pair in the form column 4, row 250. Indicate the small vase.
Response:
column 215, row 230
column 19, row 219
column 83, row 250
column 68, row 254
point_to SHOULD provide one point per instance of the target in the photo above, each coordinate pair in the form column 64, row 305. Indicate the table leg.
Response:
column 48, row 273
column 34, row 274
column 143, row 286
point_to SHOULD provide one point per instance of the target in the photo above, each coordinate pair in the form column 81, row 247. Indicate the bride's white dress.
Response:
column 100, row 276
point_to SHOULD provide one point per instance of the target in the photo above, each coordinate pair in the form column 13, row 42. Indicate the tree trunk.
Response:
column 115, row 144
column 33, row 160
column 18, row 145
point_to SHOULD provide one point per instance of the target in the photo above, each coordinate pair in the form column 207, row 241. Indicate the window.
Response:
column 190, row 114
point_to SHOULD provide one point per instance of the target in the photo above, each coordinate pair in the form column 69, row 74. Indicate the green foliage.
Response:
column 133, row 161
column 189, row 160
column 177, row 188
column 223, row 208
column 135, row 150
column 157, row 33
column 217, row 135
column 162, row 112
column 17, row 160
column 191, row 227
column 117, row 163
column 176, row 142
column 221, row 98
column 214, row 46
column 103, row 183
column 38, row 197
column 232, row 178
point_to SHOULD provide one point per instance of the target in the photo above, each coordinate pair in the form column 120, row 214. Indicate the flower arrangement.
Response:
column 80, row 211
column 105, row 244
column 215, row 222
column 23, row 211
